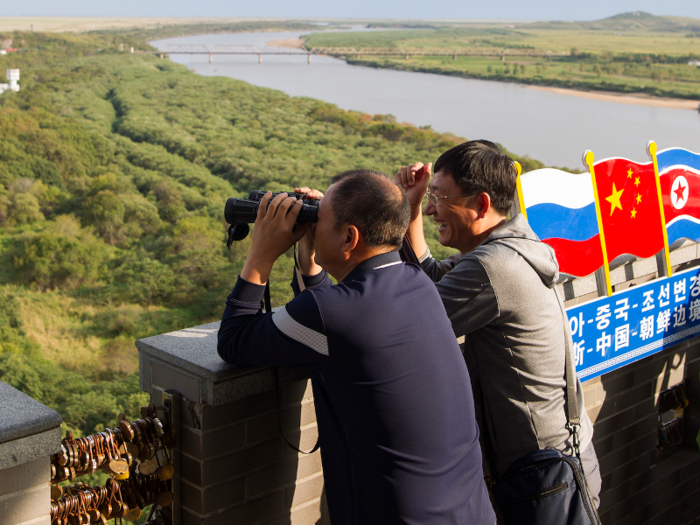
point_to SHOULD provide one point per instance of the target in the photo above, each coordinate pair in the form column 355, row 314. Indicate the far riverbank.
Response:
column 553, row 127
column 639, row 100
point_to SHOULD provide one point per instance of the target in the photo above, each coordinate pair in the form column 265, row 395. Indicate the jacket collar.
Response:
column 383, row 259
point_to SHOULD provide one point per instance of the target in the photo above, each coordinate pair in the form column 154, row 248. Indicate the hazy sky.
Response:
column 422, row 9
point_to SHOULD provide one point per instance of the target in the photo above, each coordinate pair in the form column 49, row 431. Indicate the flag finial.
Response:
column 651, row 149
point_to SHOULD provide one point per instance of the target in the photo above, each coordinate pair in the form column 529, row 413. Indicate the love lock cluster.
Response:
column 135, row 454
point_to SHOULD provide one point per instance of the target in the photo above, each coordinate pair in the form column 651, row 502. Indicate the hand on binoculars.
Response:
column 306, row 254
column 273, row 234
column 310, row 194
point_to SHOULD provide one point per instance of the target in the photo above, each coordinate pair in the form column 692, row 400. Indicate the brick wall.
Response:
column 639, row 484
column 233, row 465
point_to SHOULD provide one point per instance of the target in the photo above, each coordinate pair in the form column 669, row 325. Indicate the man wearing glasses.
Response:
column 499, row 293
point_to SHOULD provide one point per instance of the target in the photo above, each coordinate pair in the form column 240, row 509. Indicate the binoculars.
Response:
column 239, row 213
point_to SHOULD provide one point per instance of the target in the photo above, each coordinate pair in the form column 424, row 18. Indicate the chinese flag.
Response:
column 629, row 207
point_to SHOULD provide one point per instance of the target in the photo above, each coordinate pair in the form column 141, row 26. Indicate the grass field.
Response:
column 53, row 24
column 639, row 61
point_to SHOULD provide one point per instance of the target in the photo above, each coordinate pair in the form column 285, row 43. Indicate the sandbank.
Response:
column 287, row 42
column 639, row 100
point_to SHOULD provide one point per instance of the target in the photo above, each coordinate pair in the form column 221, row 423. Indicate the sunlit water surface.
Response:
column 553, row 128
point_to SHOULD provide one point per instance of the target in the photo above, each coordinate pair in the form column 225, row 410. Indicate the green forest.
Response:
column 114, row 171
column 628, row 53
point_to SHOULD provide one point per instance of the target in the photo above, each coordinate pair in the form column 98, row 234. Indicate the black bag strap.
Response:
column 279, row 421
column 573, row 414
column 268, row 308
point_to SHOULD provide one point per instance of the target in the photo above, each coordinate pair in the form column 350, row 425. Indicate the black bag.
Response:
column 547, row 487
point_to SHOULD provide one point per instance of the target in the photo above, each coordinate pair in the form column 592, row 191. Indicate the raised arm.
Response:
column 293, row 335
column 415, row 179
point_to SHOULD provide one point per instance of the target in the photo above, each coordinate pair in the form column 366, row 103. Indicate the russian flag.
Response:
column 560, row 208
column 679, row 173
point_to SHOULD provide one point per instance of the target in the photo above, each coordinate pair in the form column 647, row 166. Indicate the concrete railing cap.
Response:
column 22, row 416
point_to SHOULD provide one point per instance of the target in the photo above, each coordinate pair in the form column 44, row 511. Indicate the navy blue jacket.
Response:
column 399, row 440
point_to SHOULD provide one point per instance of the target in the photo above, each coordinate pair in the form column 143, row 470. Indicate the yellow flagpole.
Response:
column 521, row 199
column 651, row 151
column 588, row 160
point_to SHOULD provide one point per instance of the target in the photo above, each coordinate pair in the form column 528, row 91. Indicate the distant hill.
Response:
column 634, row 21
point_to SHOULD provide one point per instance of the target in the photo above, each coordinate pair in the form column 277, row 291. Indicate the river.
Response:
column 550, row 127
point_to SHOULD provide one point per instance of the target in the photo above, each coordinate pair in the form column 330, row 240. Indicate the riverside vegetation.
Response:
column 114, row 171
column 628, row 53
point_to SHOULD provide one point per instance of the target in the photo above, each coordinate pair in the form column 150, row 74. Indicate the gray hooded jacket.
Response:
column 501, row 297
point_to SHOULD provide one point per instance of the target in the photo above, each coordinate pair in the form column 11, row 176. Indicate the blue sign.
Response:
column 611, row 332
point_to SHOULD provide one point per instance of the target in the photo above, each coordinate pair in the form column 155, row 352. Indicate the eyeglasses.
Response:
column 435, row 199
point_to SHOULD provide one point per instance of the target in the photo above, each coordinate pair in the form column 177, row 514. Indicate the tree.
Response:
column 62, row 255
column 140, row 216
column 106, row 212
column 146, row 281
column 171, row 205
column 24, row 208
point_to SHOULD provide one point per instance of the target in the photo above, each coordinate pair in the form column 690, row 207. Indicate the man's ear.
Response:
column 483, row 204
column 352, row 238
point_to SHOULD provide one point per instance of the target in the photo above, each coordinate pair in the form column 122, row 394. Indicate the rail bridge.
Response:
column 342, row 52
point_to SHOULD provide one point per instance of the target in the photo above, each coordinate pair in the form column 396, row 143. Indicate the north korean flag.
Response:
column 629, row 207
column 679, row 172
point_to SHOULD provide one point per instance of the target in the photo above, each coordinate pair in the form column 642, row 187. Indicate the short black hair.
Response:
column 481, row 166
column 372, row 202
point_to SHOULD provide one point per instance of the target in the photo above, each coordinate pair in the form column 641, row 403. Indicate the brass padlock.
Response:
column 133, row 514
column 56, row 492
column 164, row 499
column 148, row 467
column 165, row 472
column 126, row 430
column 118, row 466
column 122, row 476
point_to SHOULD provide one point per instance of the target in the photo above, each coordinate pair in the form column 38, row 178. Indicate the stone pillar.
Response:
column 29, row 434
column 232, row 465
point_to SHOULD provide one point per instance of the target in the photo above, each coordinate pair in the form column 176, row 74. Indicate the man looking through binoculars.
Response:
column 399, row 440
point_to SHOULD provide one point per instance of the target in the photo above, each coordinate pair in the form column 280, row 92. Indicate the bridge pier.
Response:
column 211, row 58
column 308, row 58
column 161, row 56
column 406, row 56
column 454, row 57
column 259, row 58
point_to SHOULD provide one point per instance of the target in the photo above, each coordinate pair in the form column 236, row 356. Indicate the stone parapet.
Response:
column 232, row 463
column 29, row 434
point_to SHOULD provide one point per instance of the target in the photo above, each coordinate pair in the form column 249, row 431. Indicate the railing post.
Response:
column 29, row 434
column 234, row 466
